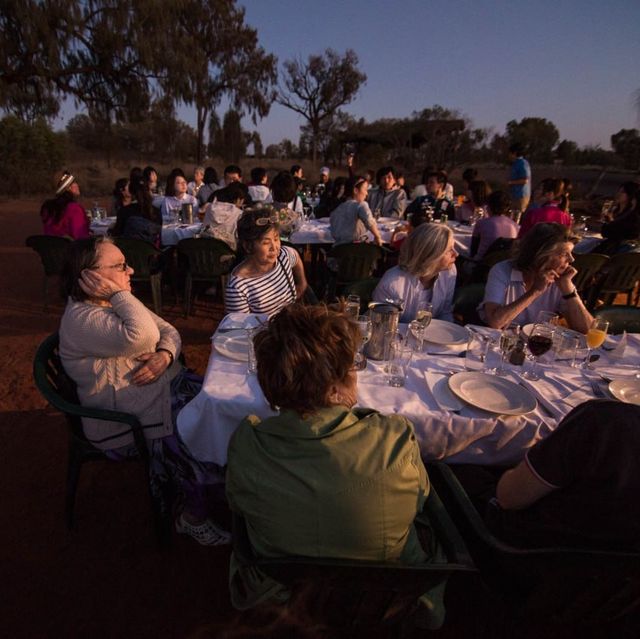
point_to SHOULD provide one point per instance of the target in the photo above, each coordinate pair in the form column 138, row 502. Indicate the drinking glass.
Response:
column 547, row 317
column 476, row 352
column 391, row 338
column 566, row 345
column 416, row 329
column 365, row 327
column 596, row 335
column 400, row 358
column 424, row 314
column 508, row 339
column 252, row 364
column 352, row 306
column 539, row 342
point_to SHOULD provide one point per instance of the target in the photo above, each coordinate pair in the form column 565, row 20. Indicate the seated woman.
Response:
column 426, row 272
column 476, row 203
column 331, row 198
column 62, row 216
column 321, row 479
column 577, row 487
column 271, row 276
column 121, row 196
column 123, row 357
column 550, row 208
column 539, row 278
column 624, row 228
column 175, row 198
column 351, row 219
column 284, row 193
column 139, row 220
column 498, row 225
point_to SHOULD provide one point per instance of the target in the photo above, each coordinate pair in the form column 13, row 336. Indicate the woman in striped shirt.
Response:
column 271, row 276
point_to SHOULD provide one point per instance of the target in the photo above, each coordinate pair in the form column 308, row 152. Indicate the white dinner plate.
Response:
column 234, row 345
column 445, row 333
column 439, row 386
column 492, row 393
column 626, row 390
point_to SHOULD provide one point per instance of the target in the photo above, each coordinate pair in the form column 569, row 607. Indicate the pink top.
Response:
column 548, row 213
column 73, row 223
column 489, row 229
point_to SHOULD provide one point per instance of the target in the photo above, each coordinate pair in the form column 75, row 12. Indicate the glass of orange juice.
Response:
column 596, row 335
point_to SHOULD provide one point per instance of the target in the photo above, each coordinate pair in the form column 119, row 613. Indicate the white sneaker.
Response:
column 206, row 533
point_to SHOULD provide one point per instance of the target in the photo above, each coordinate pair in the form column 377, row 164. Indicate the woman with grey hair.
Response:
column 426, row 273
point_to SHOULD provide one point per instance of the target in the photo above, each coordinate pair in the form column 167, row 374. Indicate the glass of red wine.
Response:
column 539, row 342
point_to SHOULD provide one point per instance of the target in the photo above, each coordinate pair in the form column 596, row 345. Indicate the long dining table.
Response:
column 446, row 427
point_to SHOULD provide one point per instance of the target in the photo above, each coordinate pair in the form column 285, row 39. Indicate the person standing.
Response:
column 519, row 179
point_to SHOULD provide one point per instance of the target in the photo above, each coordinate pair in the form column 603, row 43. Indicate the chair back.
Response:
column 466, row 300
column 52, row 251
column 141, row 256
column 623, row 272
column 364, row 289
column 620, row 318
column 364, row 594
column 567, row 583
column 355, row 261
column 588, row 266
column 206, row 258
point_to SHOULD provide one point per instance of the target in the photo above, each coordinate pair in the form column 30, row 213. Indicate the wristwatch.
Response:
column 568, row 296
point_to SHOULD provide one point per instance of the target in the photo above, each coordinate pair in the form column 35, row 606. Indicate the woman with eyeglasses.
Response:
column 123, row 357
column 539, row 278
column 271, row 276
column 351, row 220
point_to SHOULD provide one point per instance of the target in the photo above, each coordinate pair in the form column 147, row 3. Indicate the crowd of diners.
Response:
column 325, row 478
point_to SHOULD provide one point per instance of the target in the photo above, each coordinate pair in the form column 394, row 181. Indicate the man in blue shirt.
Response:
column 519, row 179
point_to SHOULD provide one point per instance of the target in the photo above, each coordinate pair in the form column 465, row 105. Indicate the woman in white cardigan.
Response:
column 123, row 357
column 426, row 273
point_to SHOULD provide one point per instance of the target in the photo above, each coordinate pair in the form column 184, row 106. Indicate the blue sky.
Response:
column 574, row 62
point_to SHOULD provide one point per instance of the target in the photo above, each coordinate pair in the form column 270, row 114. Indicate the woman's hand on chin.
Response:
column 565, row 282
column 97, row 286
column 154, row 364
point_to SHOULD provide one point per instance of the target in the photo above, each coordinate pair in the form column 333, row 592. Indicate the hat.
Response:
column 325, row 170
column 64, row 183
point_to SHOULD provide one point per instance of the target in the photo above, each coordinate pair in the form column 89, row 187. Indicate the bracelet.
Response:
column 166, row 350
column 568, row 296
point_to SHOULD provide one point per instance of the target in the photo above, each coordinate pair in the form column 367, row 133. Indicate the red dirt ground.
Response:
column 107, row 578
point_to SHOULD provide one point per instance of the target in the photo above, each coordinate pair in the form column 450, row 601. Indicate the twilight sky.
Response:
column 574, row 62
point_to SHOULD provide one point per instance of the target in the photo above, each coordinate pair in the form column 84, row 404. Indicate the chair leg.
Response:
column 156, row 292
column 187, row 294
column 73, row 476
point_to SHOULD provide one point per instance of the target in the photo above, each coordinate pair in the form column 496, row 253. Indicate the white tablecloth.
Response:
column 171, row 233
column 318, row 232
column 102, row 226
column 470, row 436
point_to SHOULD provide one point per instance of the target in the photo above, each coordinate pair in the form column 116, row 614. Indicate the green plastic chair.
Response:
column 60, row 391
column 621, row 276
column 465, row 303
column 52, row 251
column 364, row 289
column 361, row 595
column 206, row 260
column 588, row 266
column 566, row 584
column 620, row 318
column 354, row 262
column 145, row 260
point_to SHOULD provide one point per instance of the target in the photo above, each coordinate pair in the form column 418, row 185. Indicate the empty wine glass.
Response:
column 508, row 339
column 365, row 328
column 596, row 335
column 539, row 342
column 352, row 306
column 424, row 313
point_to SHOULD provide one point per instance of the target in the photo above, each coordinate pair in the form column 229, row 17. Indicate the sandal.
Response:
column 206, row 533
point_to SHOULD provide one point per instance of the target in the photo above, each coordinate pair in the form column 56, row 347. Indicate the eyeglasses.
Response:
column 122, row 266
column 267, row 219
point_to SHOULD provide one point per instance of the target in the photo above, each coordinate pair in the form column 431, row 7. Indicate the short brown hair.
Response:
column 301, row 353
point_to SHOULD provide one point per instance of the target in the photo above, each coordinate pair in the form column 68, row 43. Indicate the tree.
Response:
column 626, row 144
column 316, row 89
column 215, row 54
column 234, row 144
column 538, row 136
column 567, row 151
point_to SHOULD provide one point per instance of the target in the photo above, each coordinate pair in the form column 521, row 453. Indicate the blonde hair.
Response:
column 423, row 248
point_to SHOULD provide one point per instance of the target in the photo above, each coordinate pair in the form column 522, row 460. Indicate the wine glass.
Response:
column 596, row 335
column 539, row 342
column 424, row 314
column 365, row 327
column 508, row 339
